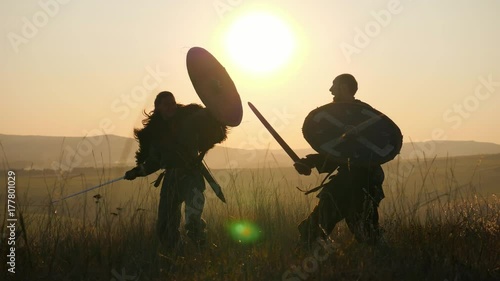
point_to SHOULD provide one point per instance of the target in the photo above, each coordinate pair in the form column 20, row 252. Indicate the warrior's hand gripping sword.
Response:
column 283, row 144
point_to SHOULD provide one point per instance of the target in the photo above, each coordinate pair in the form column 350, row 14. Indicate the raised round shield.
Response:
column 352, row 131
column 214, row 86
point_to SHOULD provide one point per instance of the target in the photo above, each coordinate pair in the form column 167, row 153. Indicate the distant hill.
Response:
column 431, row 149
column 43, row 152
column 40, row 152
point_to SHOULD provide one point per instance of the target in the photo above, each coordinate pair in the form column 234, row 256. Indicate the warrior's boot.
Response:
column 196, row 231
column 310, row 231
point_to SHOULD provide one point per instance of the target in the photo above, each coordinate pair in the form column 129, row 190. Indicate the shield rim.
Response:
column 199, row 58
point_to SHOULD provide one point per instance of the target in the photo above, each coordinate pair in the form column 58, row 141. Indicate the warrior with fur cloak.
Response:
column 175, row 137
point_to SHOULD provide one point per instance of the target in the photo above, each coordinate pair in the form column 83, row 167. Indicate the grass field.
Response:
column 441, row 219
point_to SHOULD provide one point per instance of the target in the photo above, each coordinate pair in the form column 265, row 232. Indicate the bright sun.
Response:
column 260, row 42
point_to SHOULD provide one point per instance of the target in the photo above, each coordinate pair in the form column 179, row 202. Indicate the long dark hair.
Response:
column 153, row 126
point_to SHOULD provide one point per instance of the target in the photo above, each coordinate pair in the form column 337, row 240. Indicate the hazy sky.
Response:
column 71, row 68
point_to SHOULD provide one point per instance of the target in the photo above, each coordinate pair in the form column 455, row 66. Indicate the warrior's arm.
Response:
column 321, row 162
column 149, row 166
column 152, row 163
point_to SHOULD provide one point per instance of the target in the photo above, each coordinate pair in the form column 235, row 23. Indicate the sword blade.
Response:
column 89, row 189
column 211, row 181
column 275, row 134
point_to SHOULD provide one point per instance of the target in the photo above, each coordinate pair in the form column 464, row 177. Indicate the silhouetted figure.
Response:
column 175, row 137
column 353, row 193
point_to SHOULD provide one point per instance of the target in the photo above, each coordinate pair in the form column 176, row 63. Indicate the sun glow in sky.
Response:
column 76, row 68
column 260, row 42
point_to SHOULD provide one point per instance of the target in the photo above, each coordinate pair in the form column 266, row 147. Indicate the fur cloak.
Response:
column 192, row 128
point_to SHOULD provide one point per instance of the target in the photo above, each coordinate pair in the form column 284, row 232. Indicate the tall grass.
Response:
column 435, row 228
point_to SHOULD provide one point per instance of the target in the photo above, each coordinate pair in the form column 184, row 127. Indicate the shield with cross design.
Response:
column 354, row 132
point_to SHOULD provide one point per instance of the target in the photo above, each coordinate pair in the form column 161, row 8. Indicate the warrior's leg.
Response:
column 195, row 202
column 323, row 218
column 169, row 217
column 363, row 220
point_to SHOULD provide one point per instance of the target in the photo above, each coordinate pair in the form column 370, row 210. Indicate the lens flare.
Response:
column 244, row 231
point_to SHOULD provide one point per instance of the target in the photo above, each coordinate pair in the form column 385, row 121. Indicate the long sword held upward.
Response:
column 275, row 134
column 89, row 189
